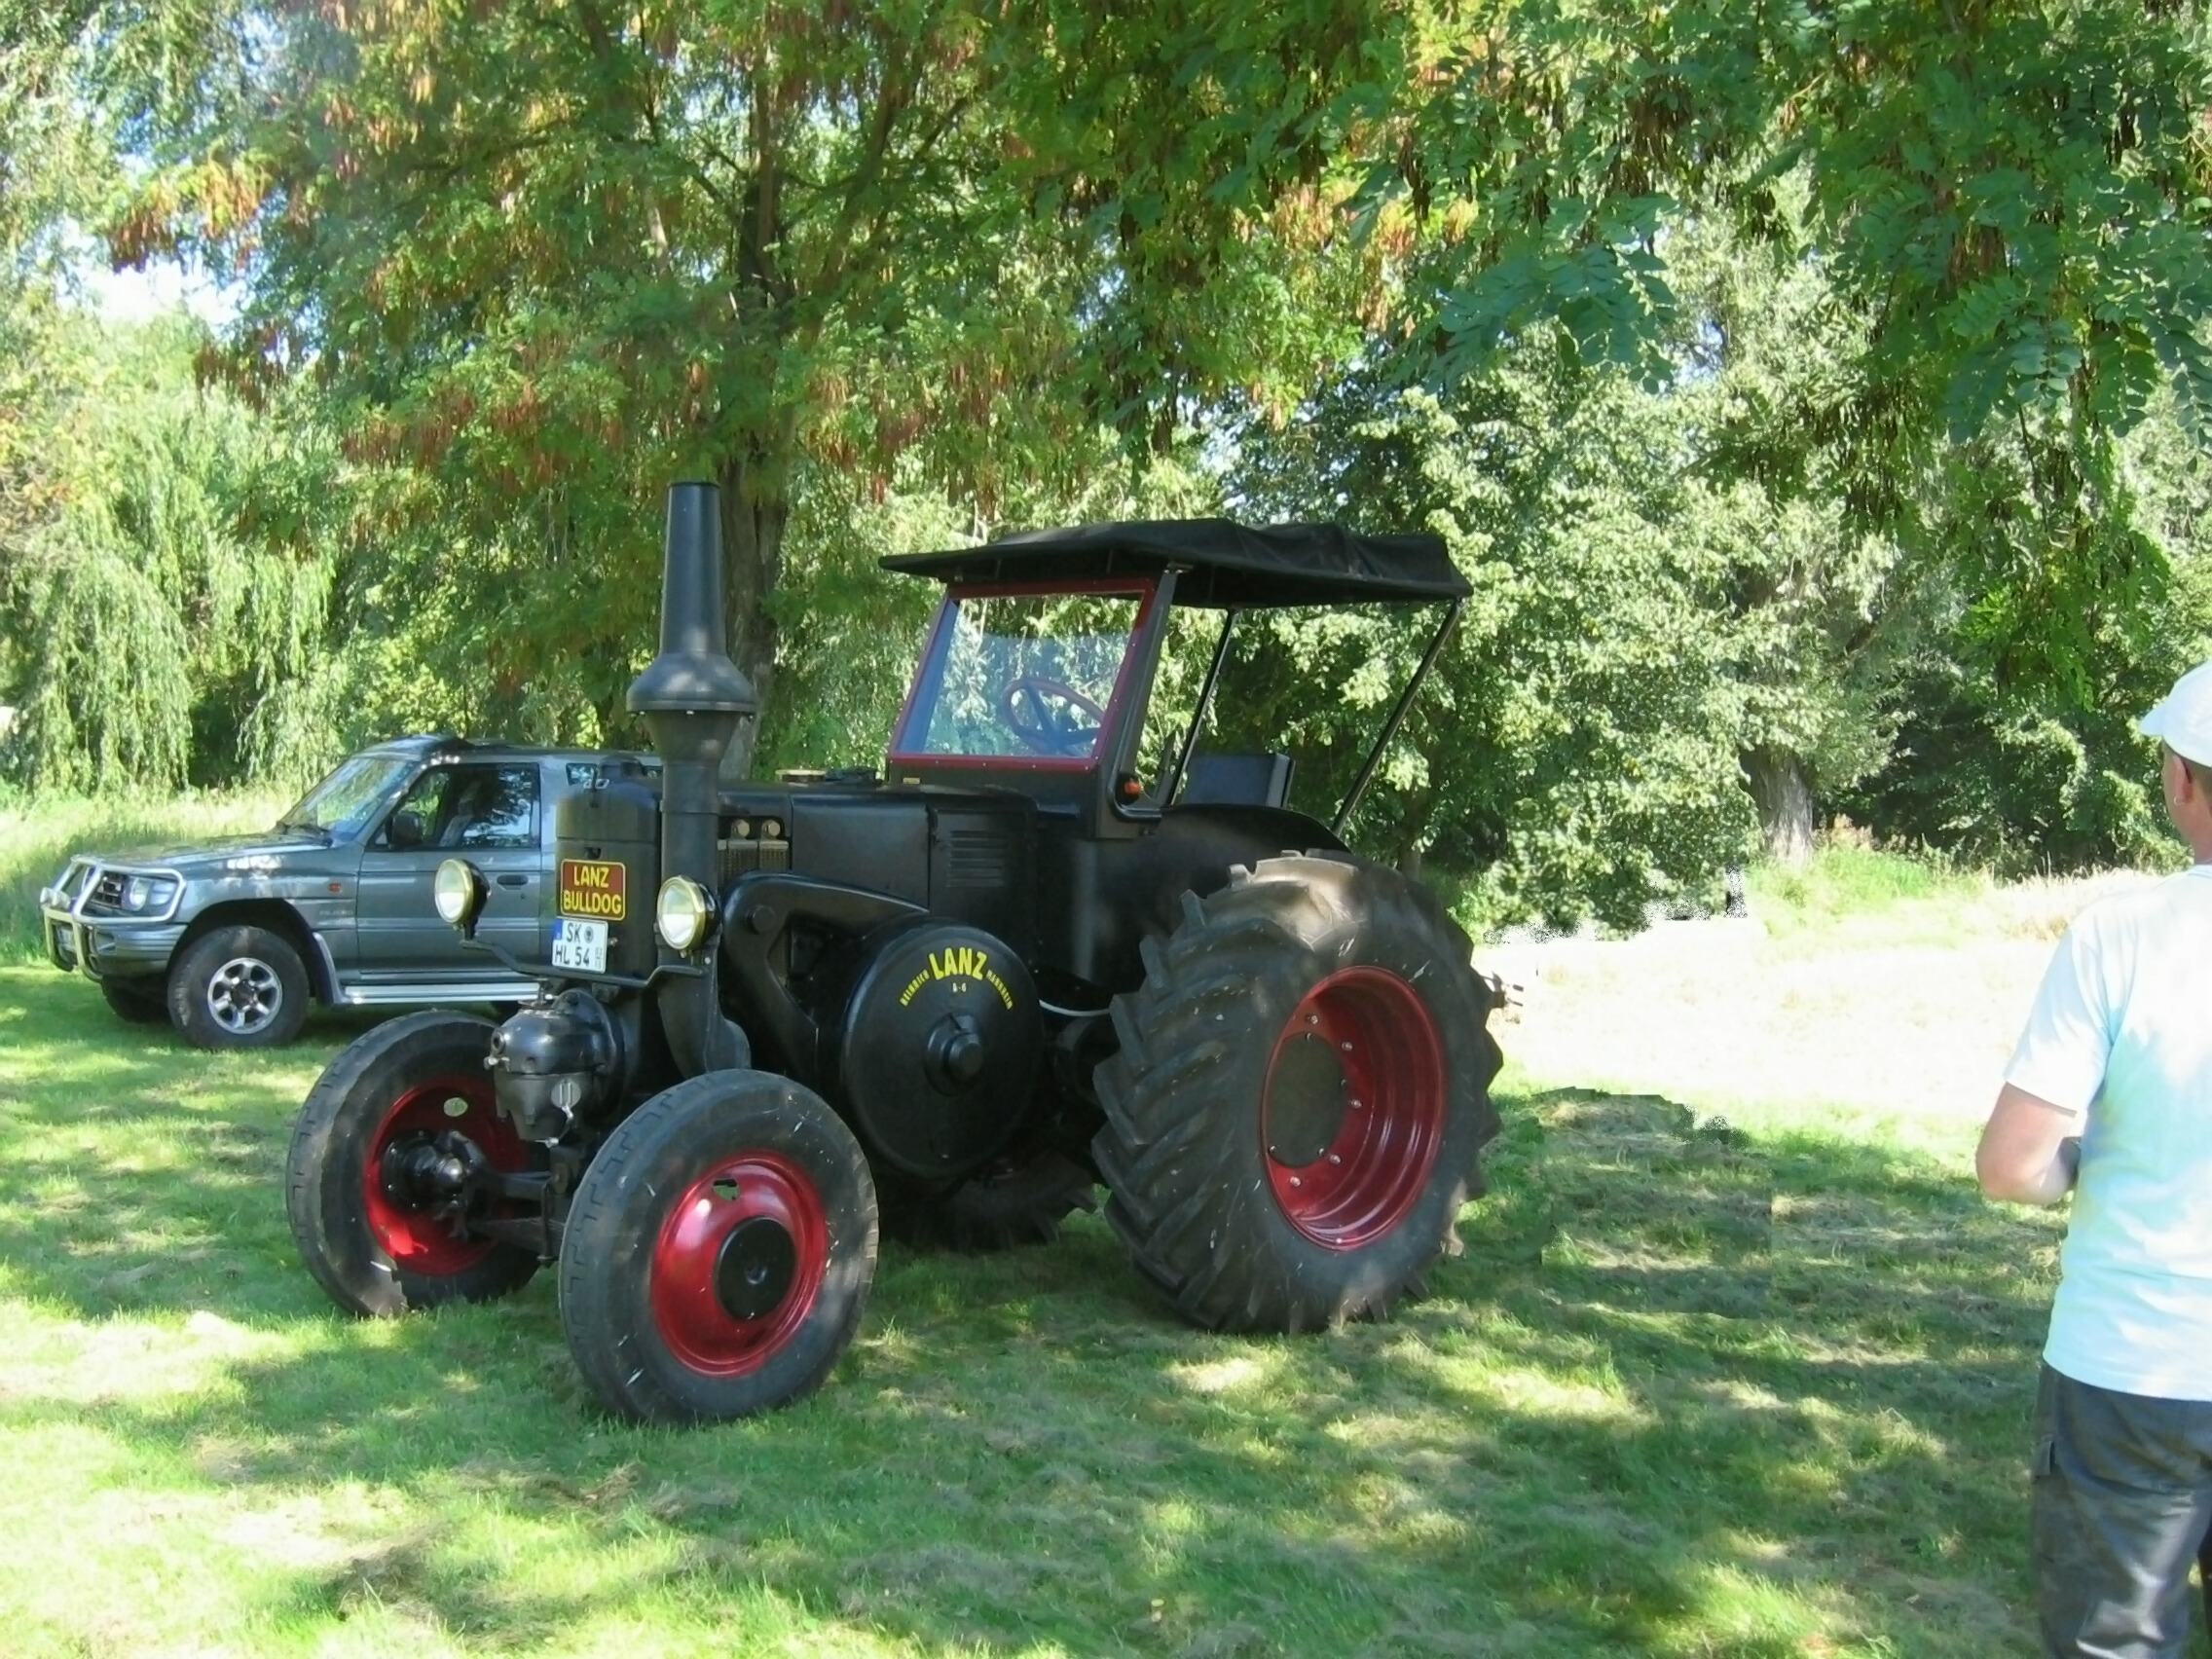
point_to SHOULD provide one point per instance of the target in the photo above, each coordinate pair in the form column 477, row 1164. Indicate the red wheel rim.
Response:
column 418, row 1242
column 1352, row 1117
column 756, row 1194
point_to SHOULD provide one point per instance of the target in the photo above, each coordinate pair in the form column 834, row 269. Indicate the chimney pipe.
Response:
column 692, row 697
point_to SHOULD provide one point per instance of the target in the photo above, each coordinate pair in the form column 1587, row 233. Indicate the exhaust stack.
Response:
column 692, row 698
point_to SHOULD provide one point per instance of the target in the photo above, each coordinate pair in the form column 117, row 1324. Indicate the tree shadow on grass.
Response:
column 1685, row 1391
column 138, row 1173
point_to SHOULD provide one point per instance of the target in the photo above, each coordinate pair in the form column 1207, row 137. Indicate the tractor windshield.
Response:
column 1020, row 675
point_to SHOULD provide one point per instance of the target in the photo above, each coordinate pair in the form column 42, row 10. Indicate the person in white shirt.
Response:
column 2109, row 1096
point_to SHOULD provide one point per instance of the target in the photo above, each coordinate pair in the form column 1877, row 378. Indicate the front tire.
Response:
column 136, row 1002
column 720, row 1251
column 238, row 987
column 375, row 1235
column 1301, row 1094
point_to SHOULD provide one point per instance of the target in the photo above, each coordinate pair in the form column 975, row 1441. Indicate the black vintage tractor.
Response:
column 956, row 997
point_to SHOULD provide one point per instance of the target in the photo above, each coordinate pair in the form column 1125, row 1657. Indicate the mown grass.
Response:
column 1688, row 1391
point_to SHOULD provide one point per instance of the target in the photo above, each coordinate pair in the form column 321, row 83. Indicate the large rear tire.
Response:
column 375, row 1234
column 1293, row 1115
column 720, row 1251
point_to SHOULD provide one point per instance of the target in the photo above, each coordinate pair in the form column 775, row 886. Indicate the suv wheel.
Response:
column 238, row 987
column 1293, row 1119
column 139, row 1001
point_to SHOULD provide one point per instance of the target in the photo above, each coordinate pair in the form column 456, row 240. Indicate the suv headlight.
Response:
column 682, row 912
column 458, row 891
column 148, row 892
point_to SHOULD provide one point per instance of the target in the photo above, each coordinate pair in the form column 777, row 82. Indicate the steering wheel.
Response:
column 1049, row 715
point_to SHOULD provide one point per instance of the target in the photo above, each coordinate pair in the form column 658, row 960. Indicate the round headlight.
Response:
column 682, row 912
column 458, row 891
column 136, row 891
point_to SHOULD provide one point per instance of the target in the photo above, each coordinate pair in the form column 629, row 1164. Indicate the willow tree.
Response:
column 158, row 644
column 538, row 258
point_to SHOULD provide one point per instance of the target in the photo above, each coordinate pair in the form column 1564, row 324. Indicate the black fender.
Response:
column 757, row 917
column 1109, row 896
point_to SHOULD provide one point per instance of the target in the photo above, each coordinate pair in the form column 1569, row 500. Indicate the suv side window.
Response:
column 492, row 806
column 472, row 806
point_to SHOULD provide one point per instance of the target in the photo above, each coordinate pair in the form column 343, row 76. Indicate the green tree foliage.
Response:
column 1999, row 758
column 156, row 647
column 1575, row 750
column 2009, row 199
column 50, row 167
column 540, row 259
column 2014, row 194
column 1819, row 608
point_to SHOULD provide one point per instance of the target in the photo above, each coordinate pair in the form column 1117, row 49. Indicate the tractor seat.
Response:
column 1236, row 780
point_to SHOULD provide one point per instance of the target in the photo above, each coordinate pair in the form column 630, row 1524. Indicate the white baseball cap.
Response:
column 2182, row 719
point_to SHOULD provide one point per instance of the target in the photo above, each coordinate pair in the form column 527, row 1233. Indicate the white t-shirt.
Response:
column 2122, row 1030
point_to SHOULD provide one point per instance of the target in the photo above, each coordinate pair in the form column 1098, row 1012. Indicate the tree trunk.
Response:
column 755, row 512
column 1414, row 831
column 1784, row 791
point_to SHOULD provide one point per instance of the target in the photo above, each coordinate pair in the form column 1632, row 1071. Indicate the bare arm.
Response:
column 2028, row 1152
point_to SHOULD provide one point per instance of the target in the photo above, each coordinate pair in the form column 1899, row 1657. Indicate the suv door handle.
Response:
column 514, row 881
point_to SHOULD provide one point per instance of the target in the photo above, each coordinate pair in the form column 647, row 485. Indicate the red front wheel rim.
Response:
column 1353, row 1116
column 420, row 1240
column 739, row 1262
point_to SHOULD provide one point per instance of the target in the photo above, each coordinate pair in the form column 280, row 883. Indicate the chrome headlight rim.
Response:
column 684, row 914
column 457, row 891
column 149, row 893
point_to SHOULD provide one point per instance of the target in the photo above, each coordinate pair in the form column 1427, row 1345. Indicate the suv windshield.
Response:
column 343, row 802
column 1020, row 675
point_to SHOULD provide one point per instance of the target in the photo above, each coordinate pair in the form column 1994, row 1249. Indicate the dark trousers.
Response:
column 2123, row 1505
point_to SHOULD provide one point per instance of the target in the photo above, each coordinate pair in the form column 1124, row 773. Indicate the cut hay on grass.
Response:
column 1736, row 1362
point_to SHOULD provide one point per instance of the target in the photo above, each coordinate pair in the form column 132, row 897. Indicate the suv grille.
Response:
column 107, row 893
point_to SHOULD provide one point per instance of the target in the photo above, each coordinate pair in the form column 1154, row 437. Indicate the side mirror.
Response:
column 405, row 829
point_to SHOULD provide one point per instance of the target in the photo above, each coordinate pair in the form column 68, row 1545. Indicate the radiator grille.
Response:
column 742, row 857
column 977, row 857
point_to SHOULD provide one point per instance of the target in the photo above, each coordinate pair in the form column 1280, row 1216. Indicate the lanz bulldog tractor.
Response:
column 968, row 991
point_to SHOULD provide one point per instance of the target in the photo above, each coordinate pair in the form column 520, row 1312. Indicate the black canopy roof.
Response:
column 1222, row 564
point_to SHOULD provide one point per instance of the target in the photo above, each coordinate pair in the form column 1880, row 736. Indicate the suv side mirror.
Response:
column 405, row 829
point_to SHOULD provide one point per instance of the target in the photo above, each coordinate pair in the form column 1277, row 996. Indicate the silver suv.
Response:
column 230, row 941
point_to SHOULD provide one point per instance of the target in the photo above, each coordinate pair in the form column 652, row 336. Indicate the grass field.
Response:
column 1736, row 1362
